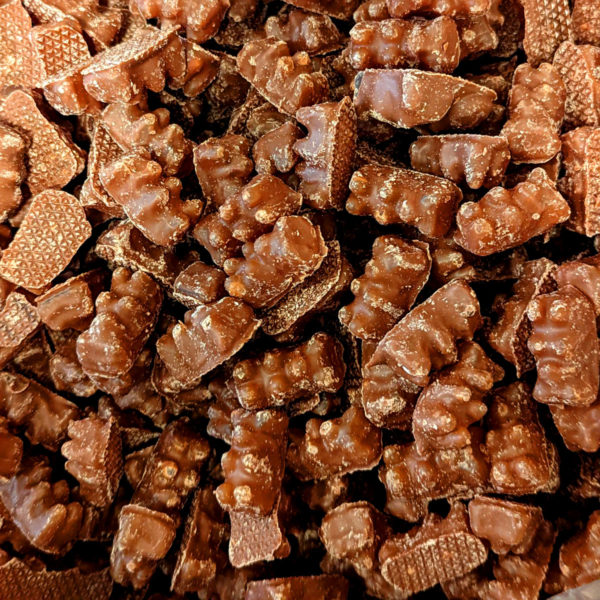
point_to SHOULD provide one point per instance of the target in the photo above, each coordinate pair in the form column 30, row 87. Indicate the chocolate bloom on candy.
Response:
column 299, row 299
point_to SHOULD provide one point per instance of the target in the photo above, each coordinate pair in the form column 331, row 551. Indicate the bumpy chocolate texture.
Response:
column 40, row 509
column 407, row 98
column 413, row 349
column 274, row 151
column 103, row 150
column 124, row 72
column 172, row 470
column 430, row 45
column 509, row 335
column 305, row 32
column 413, row 479
column 452, row 8
column 256, row 207
column 326, row 153
column 52, row 231
column 338, row 446
column 43, row 414
column 199, row 283
column 53, row 159
column 171, row 473
column 579, row 556
column 201, row 70
column 124, row 245
column 19, row 65
column 276, row 262
column 192, row 348
column 477, row 160
column 63, row 53
column 253, row 470
column 454, row 401
column 566, row 348
column 547, row 25
column 151, row 200
column 70, row 304
column 583, row 274
column 387, row 398
column 515, row 575
column 95, row 458
column 286, row 374
column 125, row 318
column 17, row 578
column 388, row 288
column 577, row 66
column 392, row 195
column 507, row 526
column 287, row 81
column 223, row 167
column 200, row 557
column 18, row 322
column 578, row 426
column 200, row 19
column 536, row 111
column 522, row 460
column 325, row 587
column 136, row 130
column 212, row 233
column 13, row 148
column 315, row 293
column 253, row 467
column 66, row 372
column 445, row 547
column 143, row 539
column 504, row 219
column 585, row 21
column 352, row 534
column 581, row 160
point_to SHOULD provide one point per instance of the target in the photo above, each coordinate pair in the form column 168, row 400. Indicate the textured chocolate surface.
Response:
column 299, row 299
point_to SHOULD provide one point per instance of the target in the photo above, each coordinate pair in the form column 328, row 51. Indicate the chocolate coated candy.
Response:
column 393, row 195
column 190, row 349
column 125, row 318
column 413, row 350
column 43, row 414
column 284, row 375
column 503, row 218
column 53, row 159
column 286, row 80
column 508, row 526
column 446, row 548
column 392, row 280
column 407, row 98
column 477, row 160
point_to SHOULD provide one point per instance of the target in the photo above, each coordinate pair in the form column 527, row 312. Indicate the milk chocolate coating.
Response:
column 393, row 195
column 503, row 218
column 413, row 350
column 431, row 45
column 477, row 160
column 41, row 509
column 286, row 80
column 559, row 342
column 284, row 375
column 398, row 97
column 124, row 320
column 392, row 280
column 304, row 272
column 327, row 153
